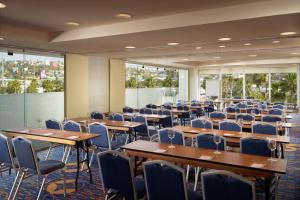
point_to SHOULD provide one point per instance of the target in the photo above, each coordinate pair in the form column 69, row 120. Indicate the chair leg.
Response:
column 197, row 170
column 49, row 151
column 18, row 186
column 14, row 184
column 41, row 189
column 64, row 177
column 187, row 173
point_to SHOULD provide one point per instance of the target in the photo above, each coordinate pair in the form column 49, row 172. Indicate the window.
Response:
column 202, row 83
column 284, row 87
column 31, row 89
column 232, row 85
column 257, row 86
column 150, row 84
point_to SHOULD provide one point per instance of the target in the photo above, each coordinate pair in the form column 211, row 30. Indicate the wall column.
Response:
column 298, row 85
column 193, row 84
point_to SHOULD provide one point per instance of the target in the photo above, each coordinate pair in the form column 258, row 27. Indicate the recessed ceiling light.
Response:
column 2, row 5
column 173, row 43
column 185, row 59
column 217, row 57
column 224, row 39
column 123, row 16
column 295, row 53
column 72, row 24
column 198, row 48
column 252, row 55
column 275, row 41
column 222, row 46
column 130, row 47
column 247, row 44
column 288, row 33
column 2, row 38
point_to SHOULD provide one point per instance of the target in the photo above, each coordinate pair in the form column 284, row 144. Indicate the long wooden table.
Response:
column 76, row 139
column 111, row 124
column 236, row 162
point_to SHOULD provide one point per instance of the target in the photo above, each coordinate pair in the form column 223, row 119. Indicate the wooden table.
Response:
column 151, row 117
column 76, row 139
column 111, row 124
column 235, row 162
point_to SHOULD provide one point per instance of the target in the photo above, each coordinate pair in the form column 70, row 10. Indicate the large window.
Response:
column 31, row 89
column 202, row 83
column 232, row 85
column 150, row 84
column 284, row 87
column 257, row 86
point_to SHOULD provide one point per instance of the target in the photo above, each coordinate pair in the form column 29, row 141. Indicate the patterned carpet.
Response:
column 289, row 185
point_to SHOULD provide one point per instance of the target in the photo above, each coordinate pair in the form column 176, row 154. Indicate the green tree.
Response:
column 59, row 86
column 2, row 89
column 131, row 83
column 48, row 86
column 33, row 87
column 13, row 87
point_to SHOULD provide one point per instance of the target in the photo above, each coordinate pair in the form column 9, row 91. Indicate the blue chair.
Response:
column 256, row 111
column 232, row 110
column 255, row 146
column 72, row 126
column 53, row 124
column 117, row 177
column 127, row 109
column 166, row 181
column 230, row 126
column 263, row 106
column 96, row 115
column 264, row 128
column 168, row 121
column 142, row 131
column 142, row 110
column 241, row 105
column 226, row 186
column 205, row 140
column 168, row 107
column 271, row 118
column 179, row 107
column 148, row 111
column 218, row 115
column 149, row 106
column 278, row 106
column 275, row 111
column 202, row 123
column 245, row 117
column 118, row 117
column 163, row 137
column 29, row 164
column 237, row 97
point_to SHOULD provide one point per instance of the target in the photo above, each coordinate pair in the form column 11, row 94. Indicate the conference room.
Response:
column 158, row 100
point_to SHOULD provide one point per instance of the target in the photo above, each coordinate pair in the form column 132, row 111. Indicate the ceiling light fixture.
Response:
column 295, row 53
column 222, row 46
column 2, row 5
column 288, row 33
column 198, row 48
column 2, row 38
column 130, row 47
column 74, row 24
column 224, row 39
column 185, row 59
column 217, row 57
column 275, row 41
column 123, row 16
column 252, row 55
column 173, row 43
column 247, row 44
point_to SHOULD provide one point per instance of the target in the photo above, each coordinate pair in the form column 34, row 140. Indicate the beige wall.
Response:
column 117, row 85
column 193, row 84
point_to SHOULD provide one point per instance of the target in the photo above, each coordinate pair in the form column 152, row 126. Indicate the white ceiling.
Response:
column 154, row 23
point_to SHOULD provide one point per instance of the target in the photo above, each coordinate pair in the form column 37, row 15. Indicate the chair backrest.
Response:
column 142, row 128
column 116, row 117
column 148, row 111
column 219, row 115
column 263, row 106
column 167, row 112
column 241, row 105
column 179, row 107
column 264, row 128
column 25, row 154
column 278, row 106
column 149, row 106
column 256, row 110
column 206, row 140
column 226, row 186
column 255, row 146
column 53, row 124
column 153, row 106
column 103, row 141
column 168, row 107
column 142, row 110
column 237, row 97
column 117, row 173
column 72, row 126
column 230, row 109
column 6, row 152
column 271, row 118
column 185, row 107
column 246, row 117
column 163, row 137
column 275, row 111
column 164, row 181
column 230, row 126
column 202, row 123
column 97, row 115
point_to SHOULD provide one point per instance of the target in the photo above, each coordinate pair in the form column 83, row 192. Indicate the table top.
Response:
column 106, row 122
column 148, row 116
column 230, row 134
column 49, row 134
column 231, row 159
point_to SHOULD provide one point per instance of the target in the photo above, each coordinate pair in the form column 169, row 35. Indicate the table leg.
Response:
column 267, row 188
column 88, row 160
column 78, row 163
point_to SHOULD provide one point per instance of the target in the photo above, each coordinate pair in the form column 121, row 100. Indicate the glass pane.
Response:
column 11, row 91
column 202, row 84
column 232, row 85
column 257, row 86
column 284, row 87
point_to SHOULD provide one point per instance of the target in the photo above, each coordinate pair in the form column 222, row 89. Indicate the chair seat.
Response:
column 115, row 144
column 49, row 166
column 140, row 187
column 192, row 195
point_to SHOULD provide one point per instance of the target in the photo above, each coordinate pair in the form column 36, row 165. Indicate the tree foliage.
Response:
column 13, row 87
column 33, row 87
